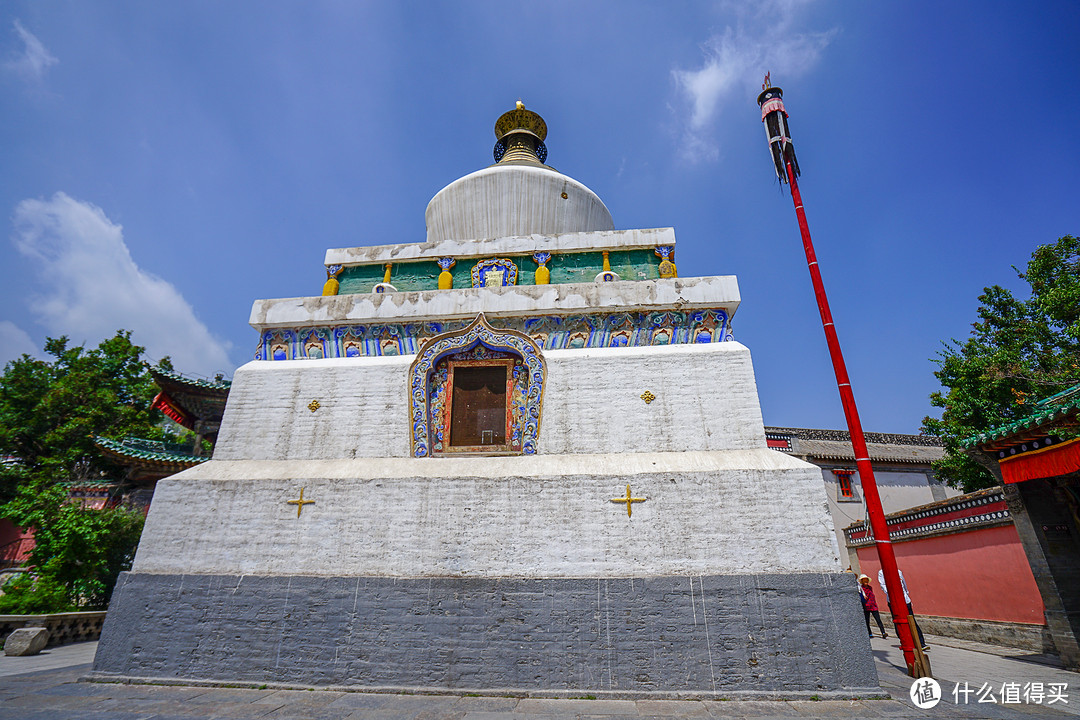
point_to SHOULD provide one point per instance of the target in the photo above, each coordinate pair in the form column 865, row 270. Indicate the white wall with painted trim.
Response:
column 706, row 399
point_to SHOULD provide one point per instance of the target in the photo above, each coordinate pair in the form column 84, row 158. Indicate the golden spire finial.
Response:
column 520, row 136
column 520, row 119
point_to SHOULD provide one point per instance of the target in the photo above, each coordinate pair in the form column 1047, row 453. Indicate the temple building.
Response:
column 192, row 403
column 902, row 467
column 1036, row 460
column 522, row 456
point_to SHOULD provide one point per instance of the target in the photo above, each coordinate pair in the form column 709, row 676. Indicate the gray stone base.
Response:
column 721, row 635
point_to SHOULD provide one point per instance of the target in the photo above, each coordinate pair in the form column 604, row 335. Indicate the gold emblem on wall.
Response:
column 313, row 405
column 648, row 397
column 628, row 500
column 302, row 502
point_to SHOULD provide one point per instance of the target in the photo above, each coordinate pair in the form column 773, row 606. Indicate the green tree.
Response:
column 50, row 410
column 1020, row 351
column 78, row 552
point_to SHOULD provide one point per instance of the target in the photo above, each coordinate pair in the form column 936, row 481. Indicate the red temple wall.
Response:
column 979, row 574
column 15, row 544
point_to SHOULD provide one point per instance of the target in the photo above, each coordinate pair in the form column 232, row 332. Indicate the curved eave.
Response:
column 1020, row 431
column 171, row 381
column 201, row 399
column 873, row 458
column 145, row 459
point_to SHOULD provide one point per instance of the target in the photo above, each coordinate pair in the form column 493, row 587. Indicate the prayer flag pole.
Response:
column 775, row 116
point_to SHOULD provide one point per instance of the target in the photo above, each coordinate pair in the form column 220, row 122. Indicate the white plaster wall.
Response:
column 706, row 399
column 595, row 240
column 505, row 200
column 362, row 410
column 720, row 291
column 902, row 490
column 749, row 511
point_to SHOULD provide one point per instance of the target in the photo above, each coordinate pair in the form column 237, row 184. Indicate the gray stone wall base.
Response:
column 1022, row 636
column 719, row 635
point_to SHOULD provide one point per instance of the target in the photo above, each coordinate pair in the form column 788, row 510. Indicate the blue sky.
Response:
column 166, row 164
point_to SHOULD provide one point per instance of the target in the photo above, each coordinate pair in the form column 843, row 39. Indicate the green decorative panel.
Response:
column 404, row 276
column 584, row 267
column 568, row 268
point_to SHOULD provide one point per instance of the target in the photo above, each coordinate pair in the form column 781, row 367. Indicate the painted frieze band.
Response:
column 550, row 332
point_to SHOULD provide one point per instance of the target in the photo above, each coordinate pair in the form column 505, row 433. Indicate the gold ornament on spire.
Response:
column 519, row 136
column 519, row 119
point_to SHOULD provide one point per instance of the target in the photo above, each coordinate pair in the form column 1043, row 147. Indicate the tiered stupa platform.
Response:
column 522, row 457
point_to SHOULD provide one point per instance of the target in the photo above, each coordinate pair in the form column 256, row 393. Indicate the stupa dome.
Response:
column 518, row 195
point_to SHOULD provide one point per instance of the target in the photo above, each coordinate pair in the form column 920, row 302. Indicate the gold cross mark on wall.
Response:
column 648, row 397
column 302, row 502
column 313, row 405
column 628, row 499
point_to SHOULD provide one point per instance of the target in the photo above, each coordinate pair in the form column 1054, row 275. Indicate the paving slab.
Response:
column 229, row 695
column 61, row 656
column 301, row 697
column 307, row 712
column 579, row 706
column 677, row 708
column 487, row 704
column 751, row 708
column 52, row 694
column 174, row 693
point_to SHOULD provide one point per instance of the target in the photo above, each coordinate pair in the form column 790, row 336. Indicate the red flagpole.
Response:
column 774, row 115
column 878, row 525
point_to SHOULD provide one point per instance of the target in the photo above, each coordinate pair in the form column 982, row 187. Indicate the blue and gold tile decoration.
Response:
column 550, row 332
column 495, row 272
column 425, row 409
column 438, row 391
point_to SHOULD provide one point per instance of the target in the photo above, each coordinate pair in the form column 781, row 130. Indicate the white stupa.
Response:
column 522, row 456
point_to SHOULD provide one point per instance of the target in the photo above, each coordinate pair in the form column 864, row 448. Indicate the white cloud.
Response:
column 763, row 39
column 95, row 288
column 14, row 343
column 34, row 60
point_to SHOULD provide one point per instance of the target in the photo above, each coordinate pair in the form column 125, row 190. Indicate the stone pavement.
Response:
column 46, row 687
column 48, row 659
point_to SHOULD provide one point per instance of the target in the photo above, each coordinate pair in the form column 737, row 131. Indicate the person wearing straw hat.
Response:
column 869, row 605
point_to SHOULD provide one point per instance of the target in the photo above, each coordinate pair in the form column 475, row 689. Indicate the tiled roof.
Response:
column 871, row 437
column 148, row 452
column 1046, row 412
column 979, row 509
column 89, row 485
column 842, row 450
column 179, row 379
column 202, row 399
column 836, row 445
